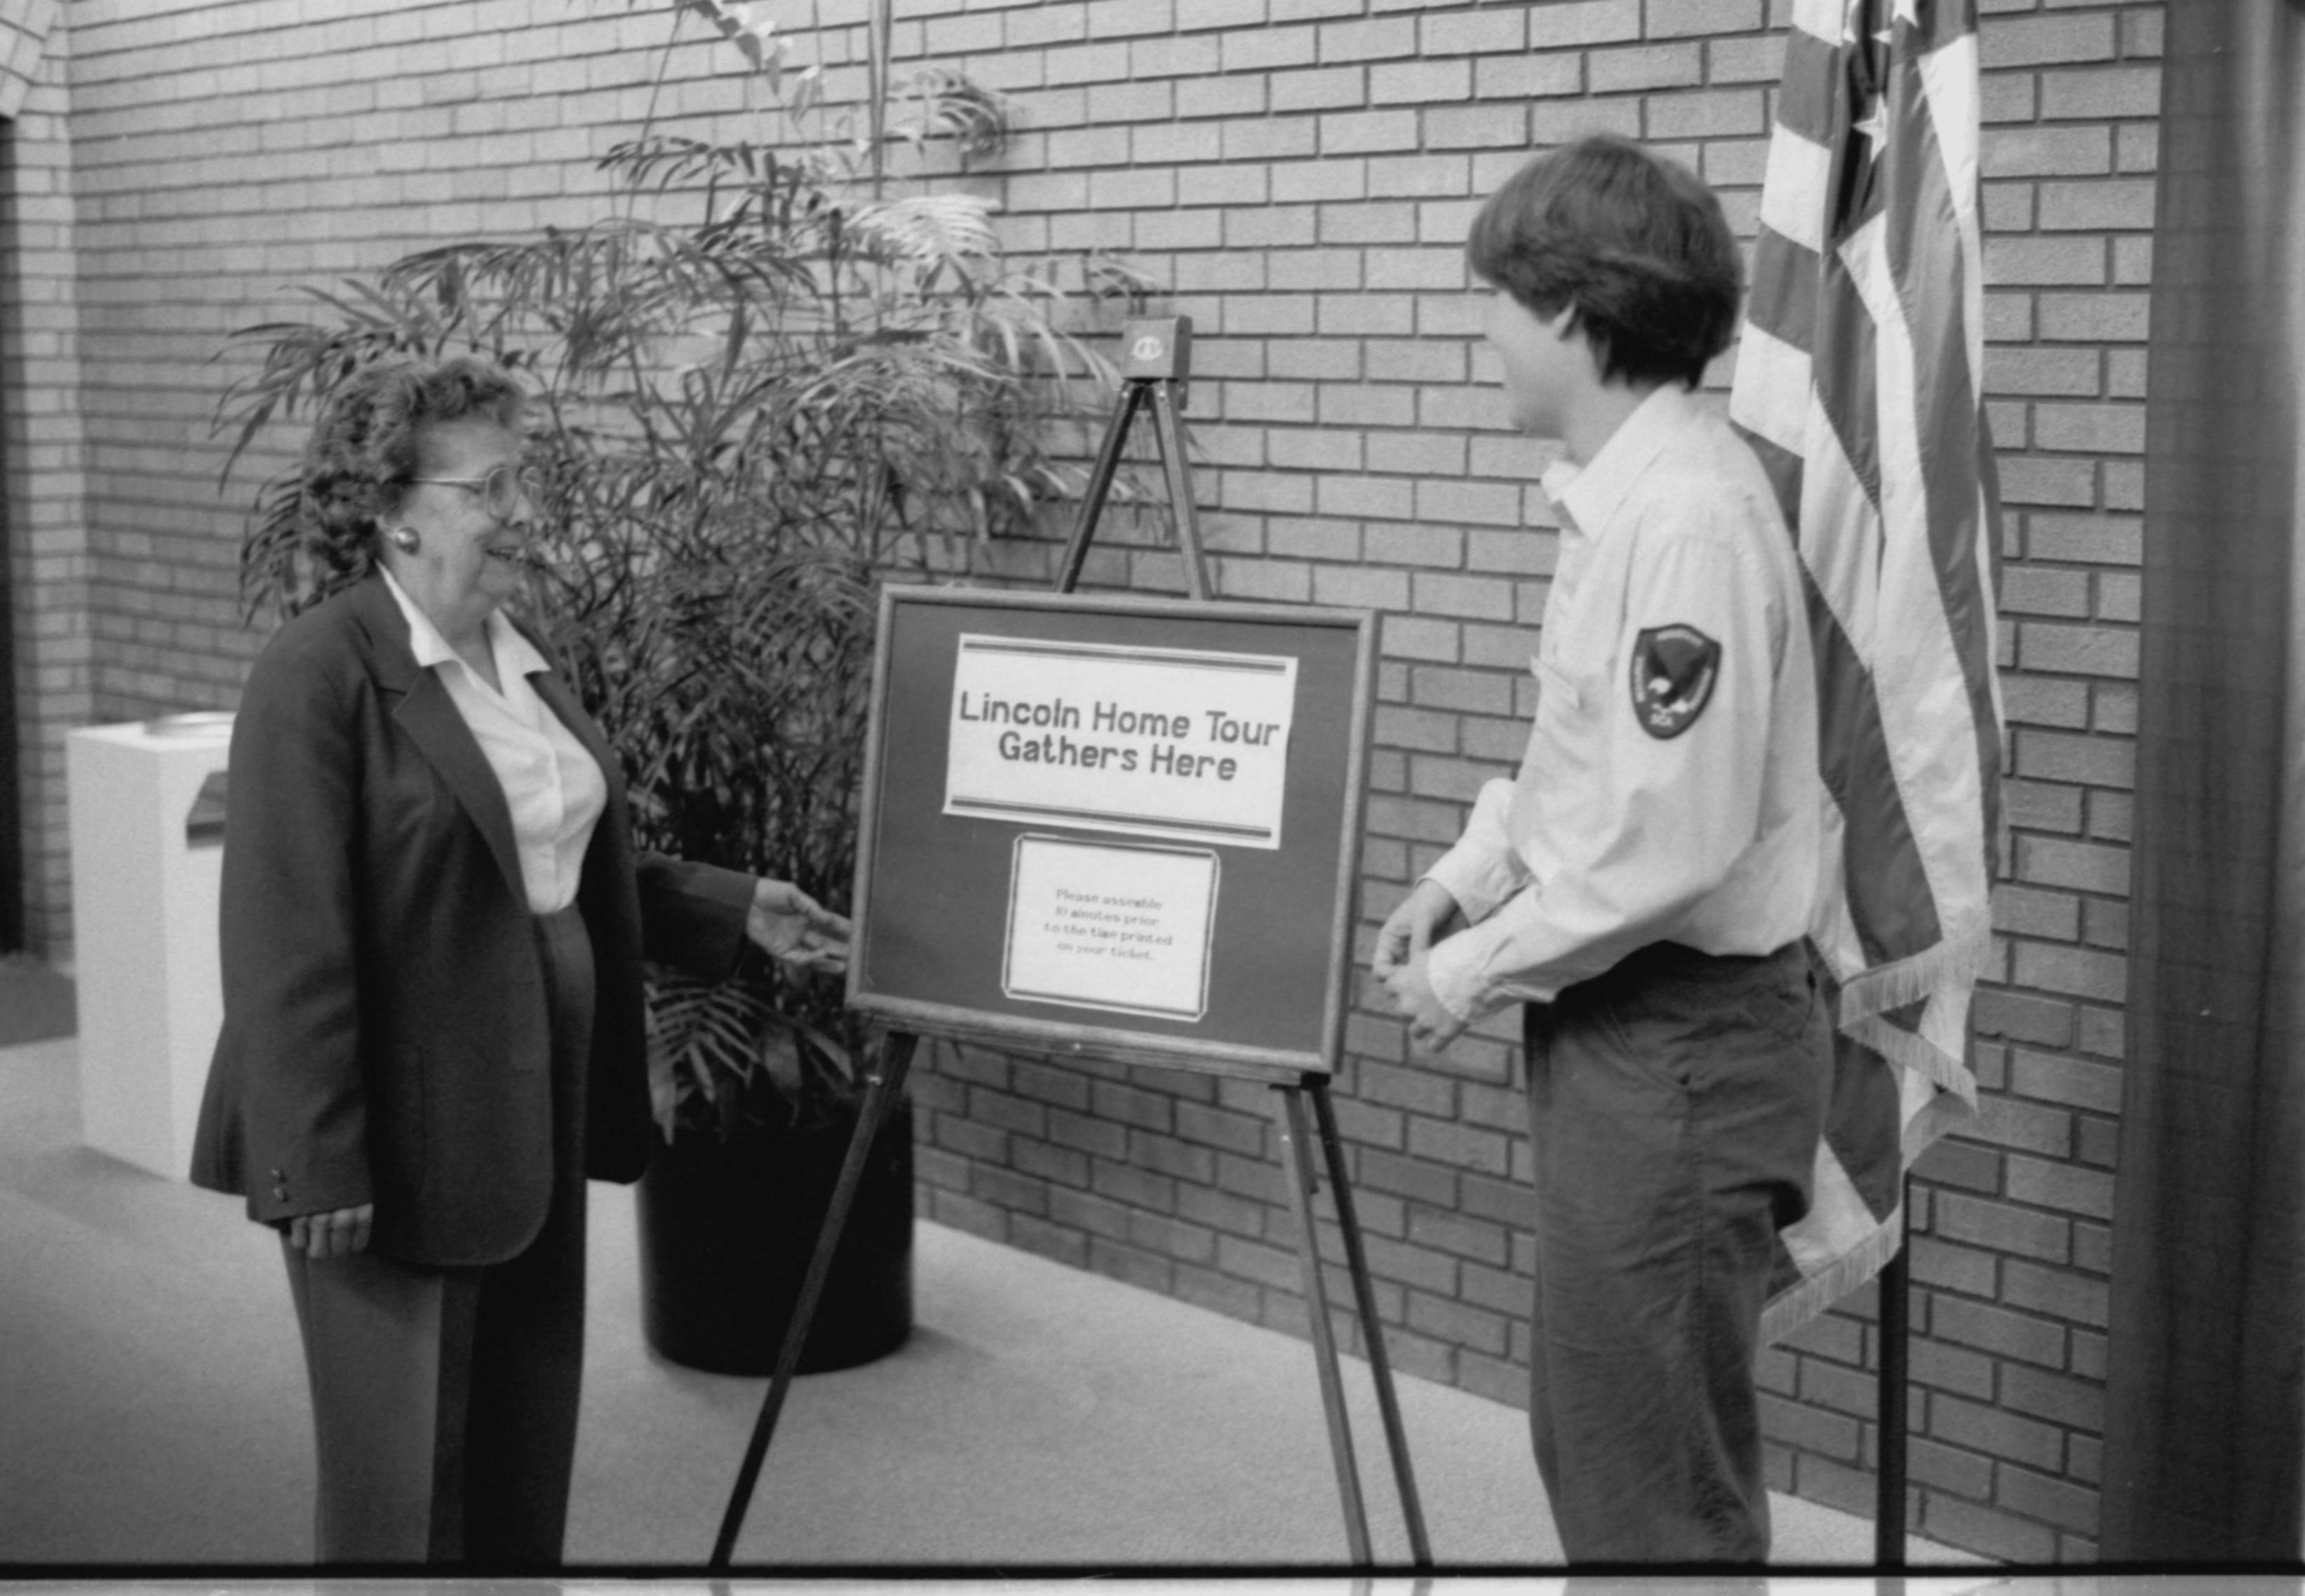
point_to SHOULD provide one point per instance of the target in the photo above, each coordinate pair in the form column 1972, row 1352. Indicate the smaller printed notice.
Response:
column 1124, row 927
column 1188, row 745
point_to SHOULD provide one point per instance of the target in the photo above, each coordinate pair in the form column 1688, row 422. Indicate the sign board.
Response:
column 1122, row 827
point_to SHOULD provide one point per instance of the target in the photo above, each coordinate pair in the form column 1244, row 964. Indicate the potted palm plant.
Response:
column 759, row 388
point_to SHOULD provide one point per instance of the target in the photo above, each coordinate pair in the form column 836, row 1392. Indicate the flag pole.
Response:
column 1896, row 1291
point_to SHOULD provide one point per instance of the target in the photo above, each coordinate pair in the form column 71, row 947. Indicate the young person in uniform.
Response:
column 1644, row 882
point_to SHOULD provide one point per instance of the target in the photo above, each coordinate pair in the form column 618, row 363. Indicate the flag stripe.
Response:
column 1924, row 708
column 1840, row 1216
column 1782, row 302
column 1942, row 23
column 1949, row 82
column 1845, row 566
column 1816, row 18
column 1809, row 105
column 1781, row 461
column 1834, row 932
column 1866, row 1111
column 1929, row 249
column 1792, row 189
column 1847, row 384
column 1772, row 404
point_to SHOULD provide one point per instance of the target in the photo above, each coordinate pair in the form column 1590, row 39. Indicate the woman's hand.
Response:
column 332, row 1234
column 796, row 930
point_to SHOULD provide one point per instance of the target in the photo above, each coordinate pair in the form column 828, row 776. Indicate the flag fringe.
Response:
column 1958, row 958
column 1933, row 1119
column 1797, row 1305
column 1922, row 1056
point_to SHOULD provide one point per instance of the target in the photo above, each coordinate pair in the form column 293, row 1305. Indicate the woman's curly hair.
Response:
column 363, row 449
column 1636, row 245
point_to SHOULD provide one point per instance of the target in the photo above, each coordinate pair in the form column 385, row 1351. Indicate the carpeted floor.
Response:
column 153, row 1418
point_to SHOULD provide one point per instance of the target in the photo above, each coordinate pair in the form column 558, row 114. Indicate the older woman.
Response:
column 433, row 925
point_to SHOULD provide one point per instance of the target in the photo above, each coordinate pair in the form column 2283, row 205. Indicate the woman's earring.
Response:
column 405, row 539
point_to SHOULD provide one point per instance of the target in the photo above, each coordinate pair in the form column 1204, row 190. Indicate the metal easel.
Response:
column 1154, row 369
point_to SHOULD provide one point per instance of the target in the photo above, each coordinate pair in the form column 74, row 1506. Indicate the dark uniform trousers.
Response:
column 445, row 1400
column 1675, row 1106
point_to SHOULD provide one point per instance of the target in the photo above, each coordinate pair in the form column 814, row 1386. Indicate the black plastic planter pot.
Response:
column 727, row 1231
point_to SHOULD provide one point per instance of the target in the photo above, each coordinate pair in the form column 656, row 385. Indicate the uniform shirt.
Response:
column 554, row 789
column 1669, row 792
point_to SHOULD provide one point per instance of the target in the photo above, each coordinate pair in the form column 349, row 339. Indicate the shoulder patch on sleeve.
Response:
column 1673, row 671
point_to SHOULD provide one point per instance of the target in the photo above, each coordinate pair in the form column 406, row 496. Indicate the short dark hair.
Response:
column 1636, row 245
column 363, row 448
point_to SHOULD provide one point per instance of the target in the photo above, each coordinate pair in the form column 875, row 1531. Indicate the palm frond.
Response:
column 925, row 229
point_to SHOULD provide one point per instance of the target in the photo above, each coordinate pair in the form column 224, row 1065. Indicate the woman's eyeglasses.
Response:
column 501, row 490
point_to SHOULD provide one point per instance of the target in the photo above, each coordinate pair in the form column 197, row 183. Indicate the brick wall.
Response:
column 217, row 157
column 1299, row 173
column 25, row 26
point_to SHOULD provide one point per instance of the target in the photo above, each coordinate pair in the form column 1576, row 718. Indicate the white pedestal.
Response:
column 144, row 934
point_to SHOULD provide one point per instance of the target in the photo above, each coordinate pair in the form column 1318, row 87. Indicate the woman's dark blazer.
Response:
column 384, row 1034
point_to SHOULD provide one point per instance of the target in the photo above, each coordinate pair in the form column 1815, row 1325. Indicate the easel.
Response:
column 1155, row 366
column 1153, row 371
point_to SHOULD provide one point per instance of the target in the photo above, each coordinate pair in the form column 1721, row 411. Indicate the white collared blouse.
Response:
column 551, row 785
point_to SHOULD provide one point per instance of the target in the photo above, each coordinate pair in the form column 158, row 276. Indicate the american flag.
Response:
column 1858, row 383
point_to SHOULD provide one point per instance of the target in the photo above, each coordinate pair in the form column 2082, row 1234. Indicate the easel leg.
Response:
column 1289, row 1109
column 1396, row 1434
column 883, row 1087
column 1169, row 431
column 1099, row 484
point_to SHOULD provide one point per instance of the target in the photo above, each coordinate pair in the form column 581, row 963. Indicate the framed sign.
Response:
column 1123, row 827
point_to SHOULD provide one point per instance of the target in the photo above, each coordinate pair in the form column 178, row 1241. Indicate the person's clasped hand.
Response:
column 795, row 929
column 1404, row 944
column 332, row 1234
